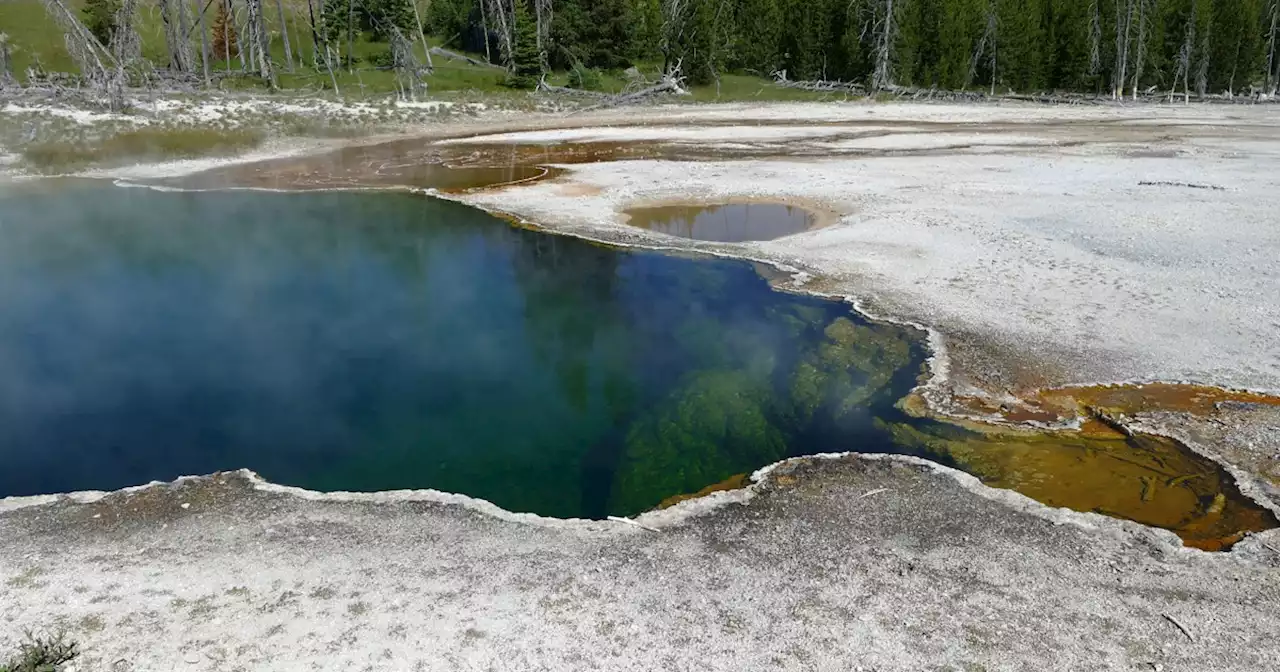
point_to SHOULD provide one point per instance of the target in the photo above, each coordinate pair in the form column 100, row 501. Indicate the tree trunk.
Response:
column 1273, row 68
column 543, row 12
column 883, row 76
column 183, row 32
column 328, row 62
column 204, row 41
column 351, row 35
column 258, row 28
column 1124, row 22
column 95, row 61
column 484, row 26
column 173, row 14
column 6, row 64
column 244, row 45
column 315, row 34
column 226, row 42
column 422, row 36
column 505, row 25
column 986, row 47
column 1143, row 21
column 284, row 35
column 675, row 19
column 1184, row 59
column 1095, row 38
column 537, row 29
column 1202, row 69
column 1235, row 66
column 126, row 45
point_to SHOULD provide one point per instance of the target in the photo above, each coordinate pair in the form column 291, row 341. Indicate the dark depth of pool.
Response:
column 372, row 341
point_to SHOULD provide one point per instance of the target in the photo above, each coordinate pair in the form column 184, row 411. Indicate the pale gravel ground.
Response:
column 1044, row 265
column 809, row 573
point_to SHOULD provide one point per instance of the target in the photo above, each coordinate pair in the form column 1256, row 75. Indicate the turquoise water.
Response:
column 372, row 341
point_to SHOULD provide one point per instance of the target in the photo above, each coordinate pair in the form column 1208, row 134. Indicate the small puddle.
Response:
column 724, row 223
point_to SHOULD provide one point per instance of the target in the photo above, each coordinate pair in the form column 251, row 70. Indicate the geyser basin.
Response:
column 724, row 223
column 373, row 341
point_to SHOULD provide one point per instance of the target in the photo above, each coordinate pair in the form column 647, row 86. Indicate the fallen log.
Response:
column 456, row 56
column 822, row 85
column 672, row 82
column 544, row 87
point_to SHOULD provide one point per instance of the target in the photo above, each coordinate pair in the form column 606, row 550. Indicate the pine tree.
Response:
column 525, row 67
column 224, row 34
column 591, row 33
column 1236, row 46
column 759, row 27
column 100, row 18
column 381, row 16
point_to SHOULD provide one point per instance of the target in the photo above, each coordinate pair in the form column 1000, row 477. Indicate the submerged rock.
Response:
column 851, row 365
column 715, row 425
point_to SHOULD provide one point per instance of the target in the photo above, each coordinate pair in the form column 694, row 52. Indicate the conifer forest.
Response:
column 1110, row 48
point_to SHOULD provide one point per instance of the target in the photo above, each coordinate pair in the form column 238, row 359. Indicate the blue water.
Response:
column 363, row 341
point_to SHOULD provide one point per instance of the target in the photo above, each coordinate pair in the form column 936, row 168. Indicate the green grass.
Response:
column 146, row 143
column 747, row 88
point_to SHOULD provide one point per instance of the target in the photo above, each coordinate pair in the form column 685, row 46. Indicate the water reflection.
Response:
column 726, row 223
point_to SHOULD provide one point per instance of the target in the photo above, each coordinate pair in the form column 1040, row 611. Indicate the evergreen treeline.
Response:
column 1100, row 46
column 1097, row 46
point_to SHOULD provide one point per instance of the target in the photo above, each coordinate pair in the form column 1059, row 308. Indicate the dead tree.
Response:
column 1202, row 70
column 1095, row 38
column 880, row 31
column 173, row 13
column 671, row 82
column 204, row 38
column 244, row 47
column 97, row 66
column 422, row 36
column 284, row 34
column 409, row 71
column 542, row 11
column 1124, row 23
column 1184, row 59
column 1273, row 66
column 328, row 64
column 315, row 34
column 7, row 79
column 986, row 46
column 675, row 23
column 258, row 35
column 1144, row 10
column 126, row 44
column 885, row 36
column 502, row 12
column 351, row 35
column 484, row 28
